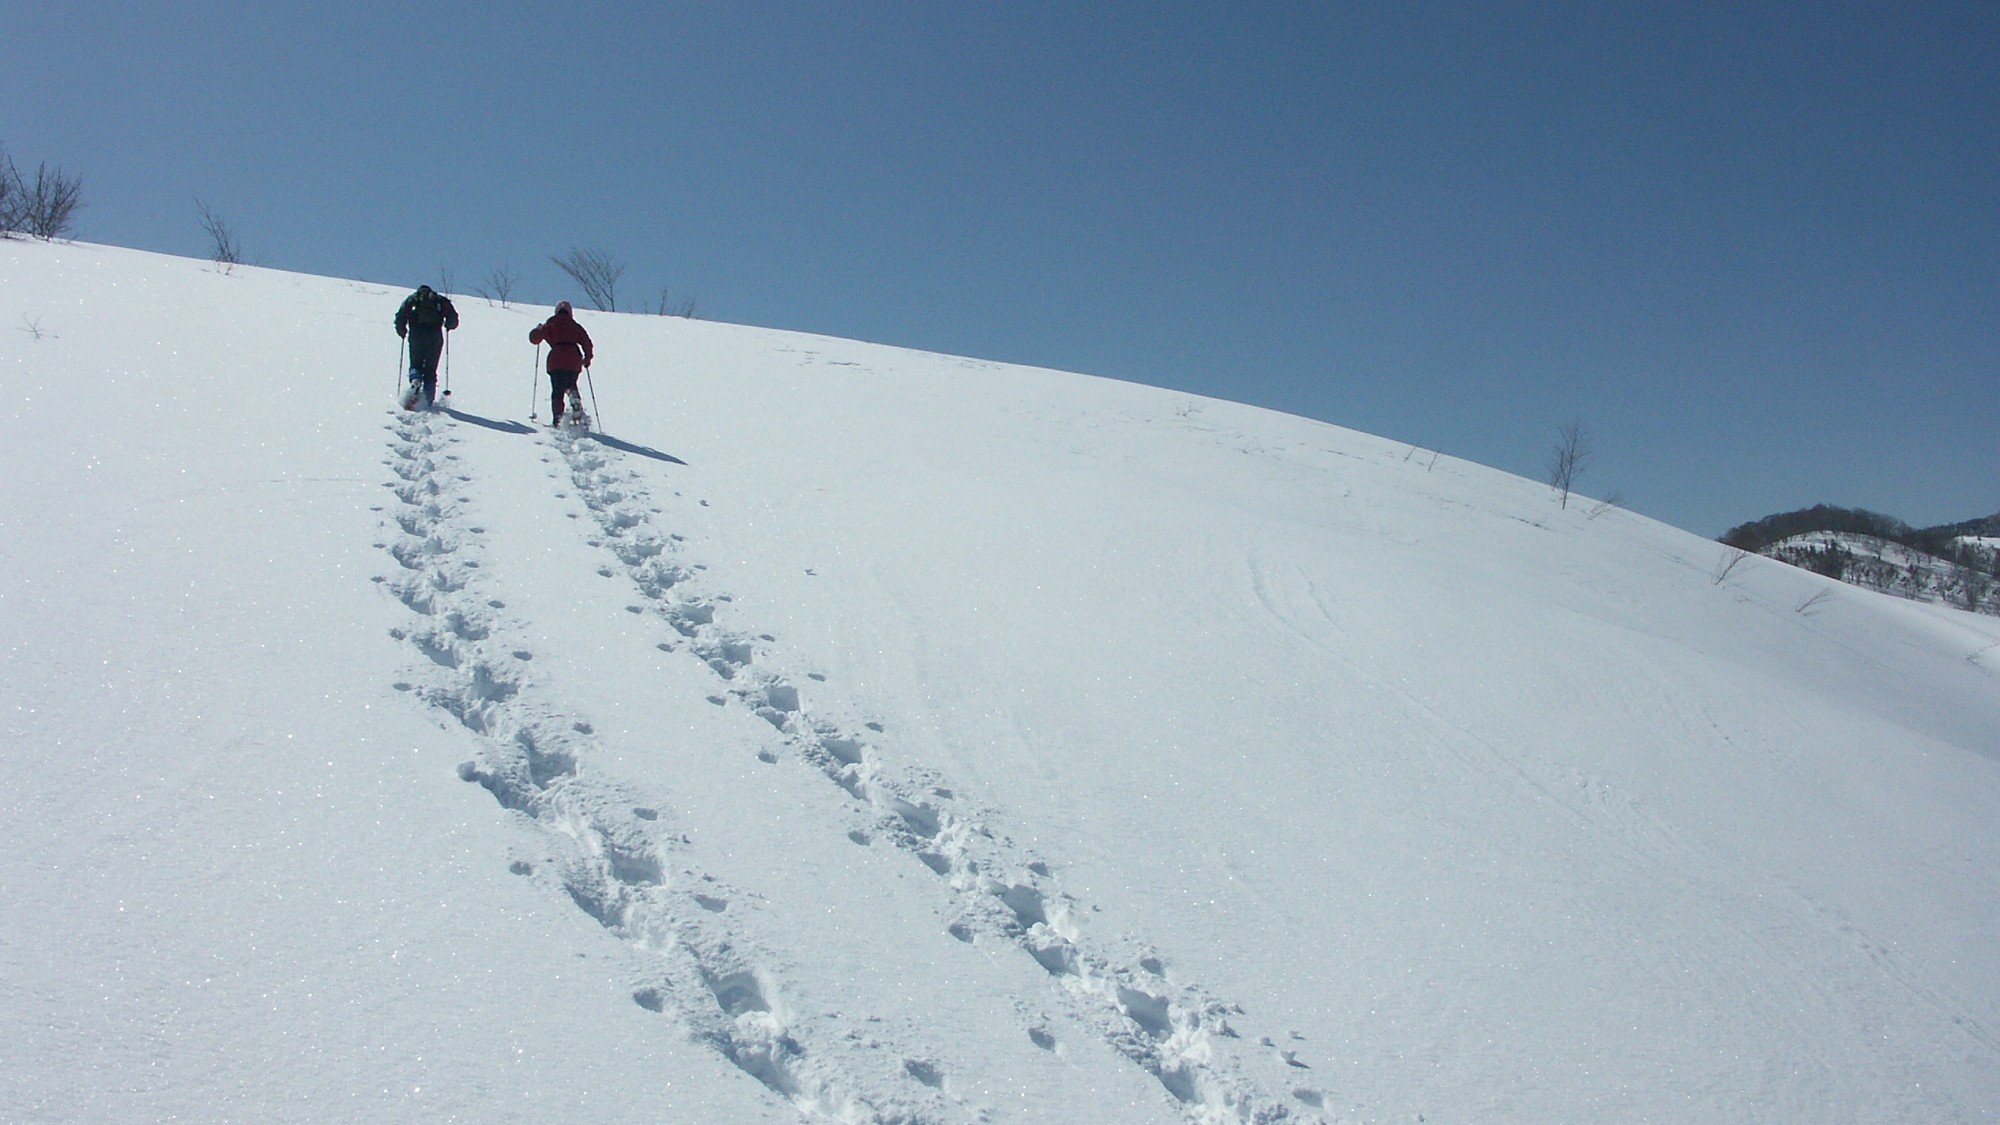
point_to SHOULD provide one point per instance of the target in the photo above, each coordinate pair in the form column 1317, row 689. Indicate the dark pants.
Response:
column 562, row 384
column 425, row 344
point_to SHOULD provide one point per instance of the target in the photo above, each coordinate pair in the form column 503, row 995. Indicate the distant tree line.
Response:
column 1943, row 562
column 1830, row 559
column 1943, row 541
column 1756, row 535
column 1945, row 537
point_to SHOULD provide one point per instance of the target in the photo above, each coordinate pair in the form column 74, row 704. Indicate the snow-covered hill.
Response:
column 854, row 734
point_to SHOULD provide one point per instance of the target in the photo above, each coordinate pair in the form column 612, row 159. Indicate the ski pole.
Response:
column 401, row 343
column 447, row 363
column 534, row 386
column 593, row 397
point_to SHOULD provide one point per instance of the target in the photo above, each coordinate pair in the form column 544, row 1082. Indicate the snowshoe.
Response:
column 413, row 395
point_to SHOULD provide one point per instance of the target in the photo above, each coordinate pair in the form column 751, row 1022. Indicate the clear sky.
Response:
column 1753, row 247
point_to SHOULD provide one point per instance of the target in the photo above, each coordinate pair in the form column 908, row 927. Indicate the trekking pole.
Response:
column 401, row 343
column 593, row 397
column 534, row 387
column 447, row 363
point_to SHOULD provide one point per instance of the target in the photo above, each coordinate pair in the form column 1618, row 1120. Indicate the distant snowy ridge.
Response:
column 1951, row 564
column 1969, row 581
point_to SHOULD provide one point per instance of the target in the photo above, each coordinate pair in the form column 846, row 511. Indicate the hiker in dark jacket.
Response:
column 570, row 351
column 423, row 320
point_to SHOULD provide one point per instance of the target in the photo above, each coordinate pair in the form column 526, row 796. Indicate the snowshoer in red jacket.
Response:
column 570, row 351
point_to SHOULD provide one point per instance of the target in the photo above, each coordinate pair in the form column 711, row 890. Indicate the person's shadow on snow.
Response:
column 512, row 427
column 509, row 427
column 641, row 450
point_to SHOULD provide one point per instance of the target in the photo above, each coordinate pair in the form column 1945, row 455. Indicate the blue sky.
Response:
column 1753, row 247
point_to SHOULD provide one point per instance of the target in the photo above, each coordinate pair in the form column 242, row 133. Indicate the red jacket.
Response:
column 570, row 348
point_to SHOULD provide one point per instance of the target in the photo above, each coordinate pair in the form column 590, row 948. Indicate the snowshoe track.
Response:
column 611, row 852
column 1121, row 990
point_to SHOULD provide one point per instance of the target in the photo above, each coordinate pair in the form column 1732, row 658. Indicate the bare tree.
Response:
column 1978, row 585
column 223, row 249
column 499, row 285
column 669, row 307
column 9, row 196
column 1568, row 457
column 597, row 274
column 44, row 208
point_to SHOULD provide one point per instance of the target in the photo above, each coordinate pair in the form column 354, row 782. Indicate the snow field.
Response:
column 845, row 733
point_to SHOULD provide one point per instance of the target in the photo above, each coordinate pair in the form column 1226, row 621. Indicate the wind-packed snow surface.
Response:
column 847, row 733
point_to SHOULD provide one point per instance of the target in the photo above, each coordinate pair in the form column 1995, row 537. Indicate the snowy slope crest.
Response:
column 845, row 733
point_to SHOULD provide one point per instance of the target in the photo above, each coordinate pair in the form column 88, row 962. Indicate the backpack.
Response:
column 427, row 308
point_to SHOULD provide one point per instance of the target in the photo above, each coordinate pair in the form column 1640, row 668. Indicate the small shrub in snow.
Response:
column 670, row 306
column 223, row 250
column 1728, row 565
column 499, row 286
column 43, row 208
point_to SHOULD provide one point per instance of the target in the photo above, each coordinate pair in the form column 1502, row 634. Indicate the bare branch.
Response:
column 1728, row 564
column 223, row 249
column 668, row 307
column 46, row 208
column 596, row 273
column 499, row 286
column 1568, row 457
